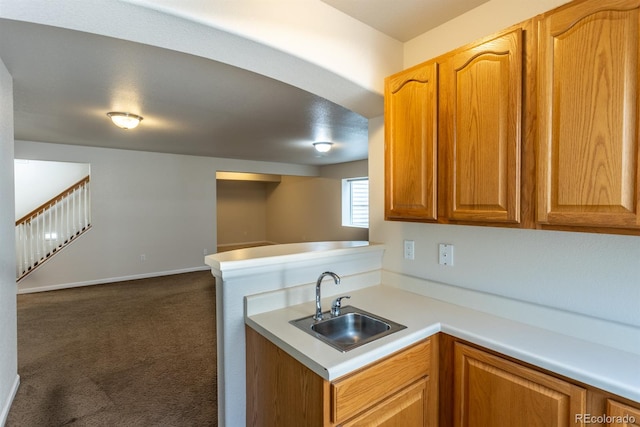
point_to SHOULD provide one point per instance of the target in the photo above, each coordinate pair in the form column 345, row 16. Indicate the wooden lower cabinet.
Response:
column 396, row 391
column 280, row 390
column 620, row 414
column 492, row 391
column 408, row 407
column 442, row 381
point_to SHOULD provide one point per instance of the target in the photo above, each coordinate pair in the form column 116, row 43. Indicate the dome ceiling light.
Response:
column 125, row 120
column 322, row 147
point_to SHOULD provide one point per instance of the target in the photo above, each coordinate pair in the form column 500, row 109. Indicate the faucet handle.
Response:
column 335, row 306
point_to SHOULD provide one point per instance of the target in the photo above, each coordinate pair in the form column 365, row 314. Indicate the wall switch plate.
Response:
column 409, row 249
column 445, row 254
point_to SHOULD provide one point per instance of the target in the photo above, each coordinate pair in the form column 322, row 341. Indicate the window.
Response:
column 355, row 202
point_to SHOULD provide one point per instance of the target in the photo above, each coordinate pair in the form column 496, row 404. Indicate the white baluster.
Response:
column 89, row 203
column 67, row 228
column 52, row 228
column 18, row 252
column 41, row 227
column 25, row 245
column 86, row 204
column 36, row 241
column 56, row 226
column 50, row 241
column 30, row 237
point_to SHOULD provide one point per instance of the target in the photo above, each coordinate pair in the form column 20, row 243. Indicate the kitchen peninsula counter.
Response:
column 610, row 369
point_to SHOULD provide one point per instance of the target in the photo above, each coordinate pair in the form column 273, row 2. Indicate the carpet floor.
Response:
column 135, row 353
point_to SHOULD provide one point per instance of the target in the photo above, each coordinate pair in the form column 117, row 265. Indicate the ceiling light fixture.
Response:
column 124, row 120
column 322, row 147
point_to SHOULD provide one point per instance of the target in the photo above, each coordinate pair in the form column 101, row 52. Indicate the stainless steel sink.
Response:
column 351, row 329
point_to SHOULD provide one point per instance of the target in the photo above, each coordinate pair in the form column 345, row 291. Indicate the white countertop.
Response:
column 266, row 255
column 604, row 367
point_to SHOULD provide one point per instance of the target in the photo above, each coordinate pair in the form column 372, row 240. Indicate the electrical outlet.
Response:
column 143, row 257
column 409, row 249
column 445, row 254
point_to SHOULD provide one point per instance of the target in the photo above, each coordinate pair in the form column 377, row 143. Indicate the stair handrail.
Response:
column 53, row 200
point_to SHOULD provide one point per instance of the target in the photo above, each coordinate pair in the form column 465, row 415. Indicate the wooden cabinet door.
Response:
column 355, row 392
column 280, row 390
column 411, row 138
column 492, row 391
column 481, row 110
column 588, row 82
column 406, row 408
column 622, row 415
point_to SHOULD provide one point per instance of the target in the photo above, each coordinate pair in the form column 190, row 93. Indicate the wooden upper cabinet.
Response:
column 480, row 132
column 588, row 112
column 411, row 138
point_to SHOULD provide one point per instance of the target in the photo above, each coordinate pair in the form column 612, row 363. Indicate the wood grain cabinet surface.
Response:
column 411, row 143
column 453, row 129
column 397, row 391
column 480, row 130
column 620, row 414
column 441, row 381
column 480, row 387
column 589, row 117
column 535, row 127
column 492, row 391
column 403, row 409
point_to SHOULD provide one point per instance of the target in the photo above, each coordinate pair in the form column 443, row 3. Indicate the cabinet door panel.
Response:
column 491, row 391
column 406, row 408
column 411, row 133
column 588, row 112
column 622, row 415
column 481, row 126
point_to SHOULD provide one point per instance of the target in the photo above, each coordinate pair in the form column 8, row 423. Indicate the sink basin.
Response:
column 353, row 328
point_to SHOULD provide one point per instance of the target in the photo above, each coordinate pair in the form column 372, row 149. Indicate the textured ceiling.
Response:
column 65, row 81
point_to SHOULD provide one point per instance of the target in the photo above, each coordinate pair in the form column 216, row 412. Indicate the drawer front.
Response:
column 370, row 385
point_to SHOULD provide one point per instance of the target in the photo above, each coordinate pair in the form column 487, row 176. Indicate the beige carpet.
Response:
column 136, row 353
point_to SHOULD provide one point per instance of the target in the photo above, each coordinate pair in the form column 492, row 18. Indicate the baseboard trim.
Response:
column 7, row 405
column 110, row 280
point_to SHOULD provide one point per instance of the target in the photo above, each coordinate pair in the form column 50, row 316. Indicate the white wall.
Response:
column 162, row 206
column 8, row 324
column 594, row 275
column 484, row 20
column 296, row 209
column 36, row 182
column 242, row 211
column 307, row 209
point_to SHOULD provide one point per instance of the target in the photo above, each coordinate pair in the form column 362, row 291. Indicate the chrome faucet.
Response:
column 336, row 279
column 337, row 305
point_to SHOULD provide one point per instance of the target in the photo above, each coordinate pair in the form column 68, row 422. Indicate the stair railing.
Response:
column 50, row 227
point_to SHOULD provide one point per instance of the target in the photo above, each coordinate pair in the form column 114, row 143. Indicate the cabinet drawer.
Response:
column 406, row 408
column 356, row 392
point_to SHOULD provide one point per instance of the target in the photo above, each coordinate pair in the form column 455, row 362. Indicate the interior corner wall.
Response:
column 152, row 213
column 488, row 18
column 306, row 209
column 37, row 182
column 594, row 275
column 8, row 320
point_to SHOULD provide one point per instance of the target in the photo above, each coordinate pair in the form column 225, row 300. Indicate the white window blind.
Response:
column 355, row 202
